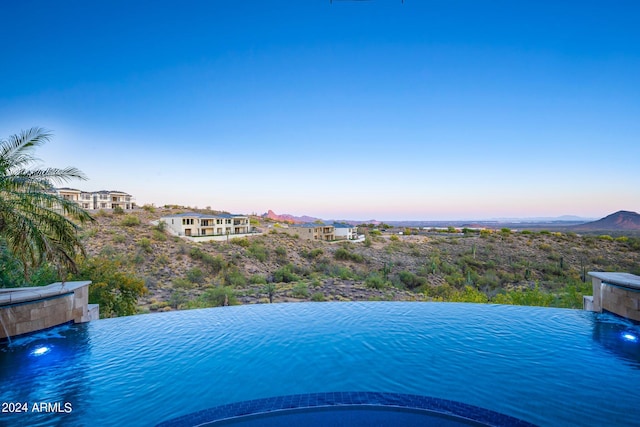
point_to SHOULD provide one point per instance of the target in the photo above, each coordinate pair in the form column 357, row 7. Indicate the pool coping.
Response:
column 269, row 405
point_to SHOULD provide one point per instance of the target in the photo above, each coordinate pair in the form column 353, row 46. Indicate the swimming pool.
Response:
column 545, row 366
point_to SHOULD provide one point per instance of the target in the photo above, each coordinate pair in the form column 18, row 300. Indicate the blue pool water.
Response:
column 545, row 366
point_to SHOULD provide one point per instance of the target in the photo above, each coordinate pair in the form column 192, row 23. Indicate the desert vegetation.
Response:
column 131, row 260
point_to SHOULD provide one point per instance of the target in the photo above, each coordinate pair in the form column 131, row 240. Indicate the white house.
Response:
column 102, row 199
column 193, row 224
column 344, row 231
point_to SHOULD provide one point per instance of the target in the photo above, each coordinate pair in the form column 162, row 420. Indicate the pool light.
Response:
column 39, row 351
column 628, row 336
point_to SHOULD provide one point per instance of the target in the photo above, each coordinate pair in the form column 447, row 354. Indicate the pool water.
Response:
column 545, row 366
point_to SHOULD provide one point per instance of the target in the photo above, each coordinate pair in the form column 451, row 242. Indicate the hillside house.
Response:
column 311, row 231
column 345, row 231
column 193, row 224
column 102, row 199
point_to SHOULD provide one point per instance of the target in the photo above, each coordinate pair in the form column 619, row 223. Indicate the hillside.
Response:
column 385, row 267
column 619, row 221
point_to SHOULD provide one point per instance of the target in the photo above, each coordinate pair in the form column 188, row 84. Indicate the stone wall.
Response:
column 623, row 302
column 27, row 310
column 618, row 293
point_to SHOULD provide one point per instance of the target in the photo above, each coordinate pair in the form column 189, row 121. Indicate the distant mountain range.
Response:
column 619, row 221
column 288, row 218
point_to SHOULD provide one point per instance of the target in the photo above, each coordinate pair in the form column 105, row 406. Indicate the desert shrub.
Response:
column 130, row 221
column 107, row 251
column 149, row 208
column 118, row 210
column 145, row 244
column 346, row 255
column 138, row 257
column 240, row 241
column 285, row 274
column 159, row 235
column 534, row 296
column 375, row 281
column 468, row 294
column 281, row 252
column 178, row 299
column 182, row 283
column 410, row 280
column 455, row 279
column 300, row 290
column 394, row 238
column 114, row 287
column 314, row 253
column 119, row 238
column 233, row 277
column 219, row 296
column 195, row 275
column 605, row 237
column 258, row 251
column 258, row 279
column 317, row 297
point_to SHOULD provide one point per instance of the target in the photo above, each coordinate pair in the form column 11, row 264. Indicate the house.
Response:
column 193, row 224
column 98, row 199
column 311, row 231
column 345, row 231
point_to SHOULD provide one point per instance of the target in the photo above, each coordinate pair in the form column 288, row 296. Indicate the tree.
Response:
column 36, row 223
column 114, row 287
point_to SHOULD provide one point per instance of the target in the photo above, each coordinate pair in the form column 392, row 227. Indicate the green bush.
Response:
column 115, row 288
column 285, row 275
column 314, row 253
column 346, row 255
column 130, row 221
column 300, row 290
column 410, row 280
column 145, row 245
column 233, row 277
column 375, row 281
column 259, row 252
column 240, row 241
column 119, row 238
column 159, row 235
column 219, row 296
column 195, row 275
column 258, row 279
column 317, row 297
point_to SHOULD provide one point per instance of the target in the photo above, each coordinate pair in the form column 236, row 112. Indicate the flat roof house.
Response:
column 311, row 231
column 102, row 199
column 345, row 231
column 193, row 224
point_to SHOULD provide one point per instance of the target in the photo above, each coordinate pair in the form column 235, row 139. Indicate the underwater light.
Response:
column 627, row 336
column 41, row 350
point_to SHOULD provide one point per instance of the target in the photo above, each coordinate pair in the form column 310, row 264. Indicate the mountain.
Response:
column 288, row 218
column 619, row 221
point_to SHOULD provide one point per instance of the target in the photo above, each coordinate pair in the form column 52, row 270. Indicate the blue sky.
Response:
column 359, row 110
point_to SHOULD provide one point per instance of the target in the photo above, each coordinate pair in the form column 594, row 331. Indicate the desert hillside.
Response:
column 387, row 266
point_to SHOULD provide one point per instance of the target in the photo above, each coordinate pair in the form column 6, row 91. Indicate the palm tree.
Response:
column 36, row 224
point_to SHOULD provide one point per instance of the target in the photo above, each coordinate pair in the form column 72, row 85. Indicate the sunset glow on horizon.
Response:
column 351, row 110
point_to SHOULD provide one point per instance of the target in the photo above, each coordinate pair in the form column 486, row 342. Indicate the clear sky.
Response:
column 360, row 110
